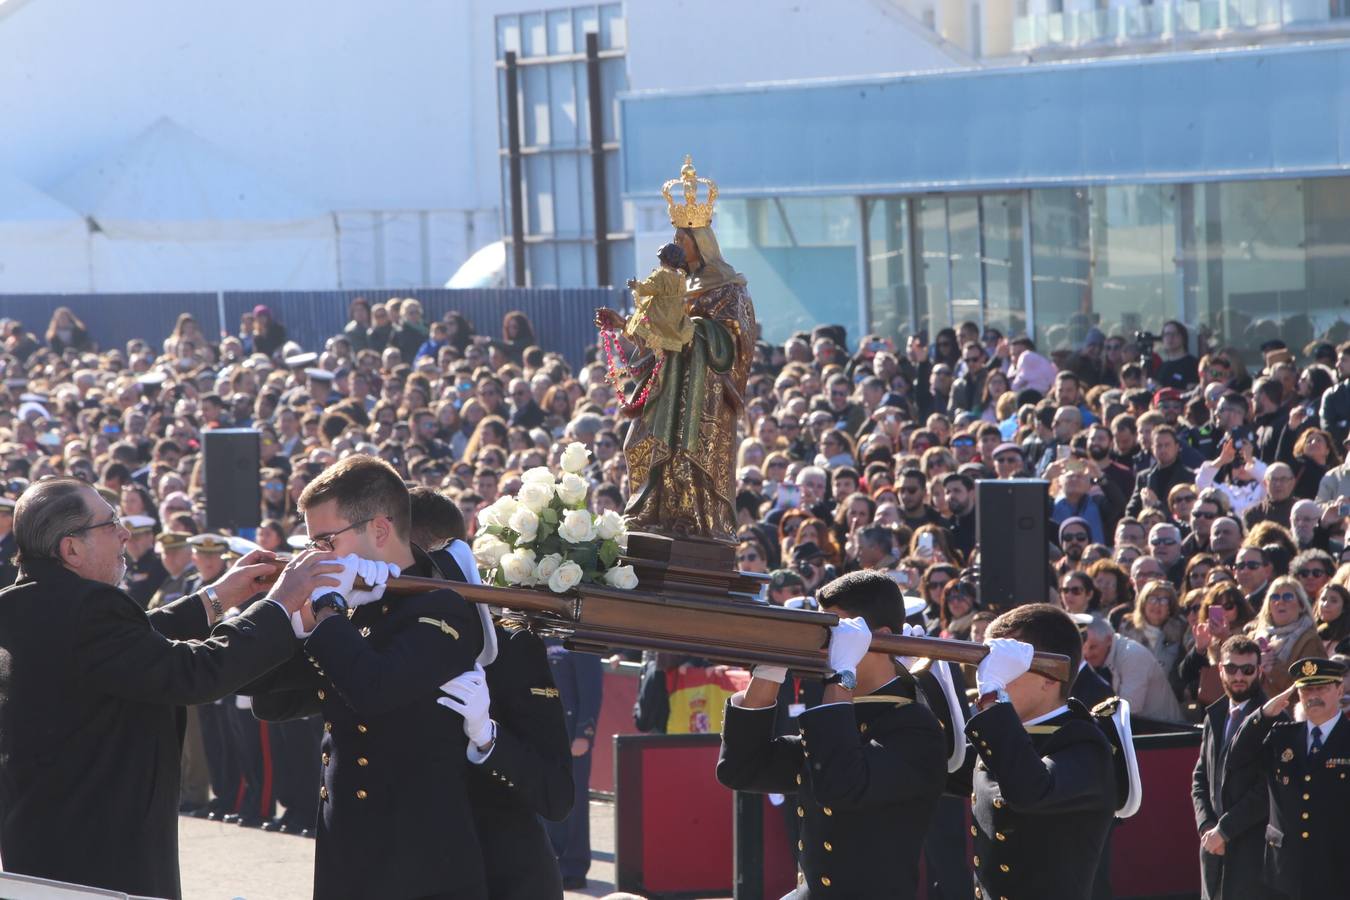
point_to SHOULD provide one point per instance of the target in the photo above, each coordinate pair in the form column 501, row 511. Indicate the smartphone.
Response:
column 877, row 346
column 1216, row 615
column 926, row 544
column 899, row 576
column 1061, row 452
column 1263, row 644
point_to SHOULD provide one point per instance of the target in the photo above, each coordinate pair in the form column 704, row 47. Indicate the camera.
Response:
column 1144, row 341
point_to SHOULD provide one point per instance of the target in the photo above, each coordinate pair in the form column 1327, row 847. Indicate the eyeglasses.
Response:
column 1250, row 565
column 1283, row 597
column 1184, row 498
column 1075, row 538
column 963, row 442
column 753, row 482
column 83, row 528
column 932, row 585
column 1008, row 460
column 274, row 485
column 1159, row 599
column 324, row 542
column 1161, row 542
column 1075, row 589
column 1247, row 669
column 1191, row 609
column 1225, row 604
column 1312, row 573
column 1197, row 514
column 748, row 557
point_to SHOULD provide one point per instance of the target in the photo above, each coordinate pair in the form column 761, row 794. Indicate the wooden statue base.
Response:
column 688, row 566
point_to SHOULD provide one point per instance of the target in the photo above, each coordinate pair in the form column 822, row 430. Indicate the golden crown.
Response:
column 692, row 214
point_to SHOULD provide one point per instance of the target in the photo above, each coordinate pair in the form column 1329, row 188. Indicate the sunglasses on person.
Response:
column 1247, row 669
column 1199, row 514
column 1229, row 604
column 1076, row 589
column 1283, row 597
column 1076, row 538
column 753, row 482
column 1161, row 541
column 748, row 557
column 1184, row 498
column 1008, row 459
column 1250, row 565
column 937, row 584
column 1312, row 573
column 1191, row 609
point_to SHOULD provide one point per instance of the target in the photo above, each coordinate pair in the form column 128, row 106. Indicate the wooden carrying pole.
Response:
column 596, row 618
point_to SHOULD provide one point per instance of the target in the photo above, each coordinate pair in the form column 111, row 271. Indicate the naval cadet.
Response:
column 146, row 571
column 9, row 570
column 867, row 764
column 394, row 816
column 175, row 554
column 1307, row 771
column 1039, row 771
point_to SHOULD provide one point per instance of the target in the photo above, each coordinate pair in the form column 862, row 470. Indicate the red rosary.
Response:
column 609, row 340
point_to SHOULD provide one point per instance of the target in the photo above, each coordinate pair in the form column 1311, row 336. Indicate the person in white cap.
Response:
column 145, row 572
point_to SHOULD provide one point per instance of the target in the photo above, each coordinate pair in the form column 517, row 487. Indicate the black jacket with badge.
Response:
column 1235, row 801
column 1306, row 835
column 92, row 691
column 144, row 577
column 394, row 815
column 1043, row 799
column 867, row 776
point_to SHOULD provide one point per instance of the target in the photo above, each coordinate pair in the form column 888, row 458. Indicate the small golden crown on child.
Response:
column 691, row 214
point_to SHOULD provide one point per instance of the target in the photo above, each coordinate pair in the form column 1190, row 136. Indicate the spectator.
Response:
column 1253, row 570
column 67, row 332
column 1155, row 482
column 410, row 333
column 1314, row 455
column 1279, row 497
column 517, row 336
column 959, row 605
column 357, row 329
column 1157, row 624
column 269, row 335
column 1132, row 671
column 1078, row 593
column 1330, row 614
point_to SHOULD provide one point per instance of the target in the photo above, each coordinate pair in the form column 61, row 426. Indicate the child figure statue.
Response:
column 659, row 321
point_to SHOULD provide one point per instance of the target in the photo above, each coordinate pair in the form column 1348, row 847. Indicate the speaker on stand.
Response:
column 1012, row 521
column 232, row 461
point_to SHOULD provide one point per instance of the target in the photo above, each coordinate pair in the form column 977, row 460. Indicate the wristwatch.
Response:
column 331, row 600
column 846, row 679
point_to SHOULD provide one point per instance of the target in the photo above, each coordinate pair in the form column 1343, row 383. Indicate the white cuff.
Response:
column 478, row 757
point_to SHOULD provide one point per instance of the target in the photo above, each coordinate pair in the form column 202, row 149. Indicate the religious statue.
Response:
column 686, row 403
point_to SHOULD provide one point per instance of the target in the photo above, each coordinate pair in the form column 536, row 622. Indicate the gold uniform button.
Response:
column 1307, row 797
column 863, row 728
column 825, row 880
column 1307, row 778
column 361, row 795
column 323, row 793
column 973, row 831
column 1305, row 835
column 827, row 811
column 999, row 836
column 328, row 727
column 829, row 848
column 325, row 759
column 977, row 892
column 800, row 846
column 361, row 728
column 976, row 860
column 998, row 803
column 362, row 761
column 1305, row 815
column 799, row 781
column 321, row 694
column 801, row 813
column 1003, row 867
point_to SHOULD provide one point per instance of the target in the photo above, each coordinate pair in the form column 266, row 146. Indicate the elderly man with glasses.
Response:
column 1252, row 569
column 1164, row 545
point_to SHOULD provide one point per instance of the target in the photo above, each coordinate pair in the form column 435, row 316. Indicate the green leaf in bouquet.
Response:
column 495, row 530
column 609, row 552
column 549, row 515
column 584, row 555
column 545, row 531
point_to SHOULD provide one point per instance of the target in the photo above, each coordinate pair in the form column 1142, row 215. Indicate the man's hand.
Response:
column 910, row 631
column 372, row 573
column 246, row 578
column 608, row 318
column 1202, row 636
column 1279, row 703
column 1212, row 842
column 1007, row 660
column 307, row 572
column 467, row 694
column 581, row 746
column 849, row 643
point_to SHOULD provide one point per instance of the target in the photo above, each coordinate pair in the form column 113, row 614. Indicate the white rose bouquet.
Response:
column 546, row 537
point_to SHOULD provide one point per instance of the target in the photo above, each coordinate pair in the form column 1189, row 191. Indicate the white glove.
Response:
column 910, row 631
column 849, row 642
column 776, row 674
column 298, row 627
column 467, row 694
column 377, row 575
column 1008, row 660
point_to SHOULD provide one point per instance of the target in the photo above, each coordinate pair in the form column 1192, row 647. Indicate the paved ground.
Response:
column 226, row 862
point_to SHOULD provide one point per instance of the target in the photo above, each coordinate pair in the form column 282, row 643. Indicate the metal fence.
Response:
column 563, row 318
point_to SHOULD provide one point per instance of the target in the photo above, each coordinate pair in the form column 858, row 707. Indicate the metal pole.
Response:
column 747, row 849
column 599, row 189
column 513, row 157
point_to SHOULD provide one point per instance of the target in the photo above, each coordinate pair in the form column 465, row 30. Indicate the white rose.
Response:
column 525, row 523
column 535, row 495
column 498, row 513
column 622, row 577
column 518, row 566
column 539, row 474
column 547, row 566
column 489, row 549
column 577, row 527
column 565, row 577
column 575, row 457
column 610, row 525
column 572, row 489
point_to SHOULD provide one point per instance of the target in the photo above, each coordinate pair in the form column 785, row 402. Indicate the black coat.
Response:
column 1235, row 801
column 1089, row 688
column 91, row 719
column 1161, row 481
column 528, row 774
column 1043, row 798
column 144, row 576
column 867, row 776
column 1307, row 832
column 394, row 817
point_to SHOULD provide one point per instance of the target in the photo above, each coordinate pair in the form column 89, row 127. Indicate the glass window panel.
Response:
column 1133, row 250
column 566, row 130
column 567, row 194
column 534, row 105
column 1327, row 232
column 534, row 31
column 560, row 31
column 1060, row 270
column 1003, row 263
column 508, row 35
column 543, row 262
column 963, row 235
column 931, row 273
column 613, row 28
column 888, row 268
column 621, row 260
column 571, row 269
column 538, row 195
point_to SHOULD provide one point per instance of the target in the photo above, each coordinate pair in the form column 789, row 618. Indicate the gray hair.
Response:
column 1099, row 628
column 47, row 512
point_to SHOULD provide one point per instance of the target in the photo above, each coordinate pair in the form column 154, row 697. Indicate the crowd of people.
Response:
column 1199, row 509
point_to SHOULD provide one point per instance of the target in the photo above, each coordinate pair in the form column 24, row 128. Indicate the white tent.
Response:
column 172, row 211
column 44, row 244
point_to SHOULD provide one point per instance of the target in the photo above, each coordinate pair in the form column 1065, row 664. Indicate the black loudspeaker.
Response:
column 232, row 459
column 1012, row 518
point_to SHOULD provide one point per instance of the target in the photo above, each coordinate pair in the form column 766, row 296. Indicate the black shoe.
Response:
column 274, row 825
column 251, row 821
column 575, row 883
column 230, row 818
column 304, row 833
column 216, row 814
column 193, row 811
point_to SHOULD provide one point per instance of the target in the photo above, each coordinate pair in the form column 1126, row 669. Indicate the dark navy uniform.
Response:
column 1309, row 793
column 1043, row 799
column 394, row 815
column 144, row 577
column 9, row 571
column 867, row 776
column 580, row 681
column 527, row 774
column 173, row 587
